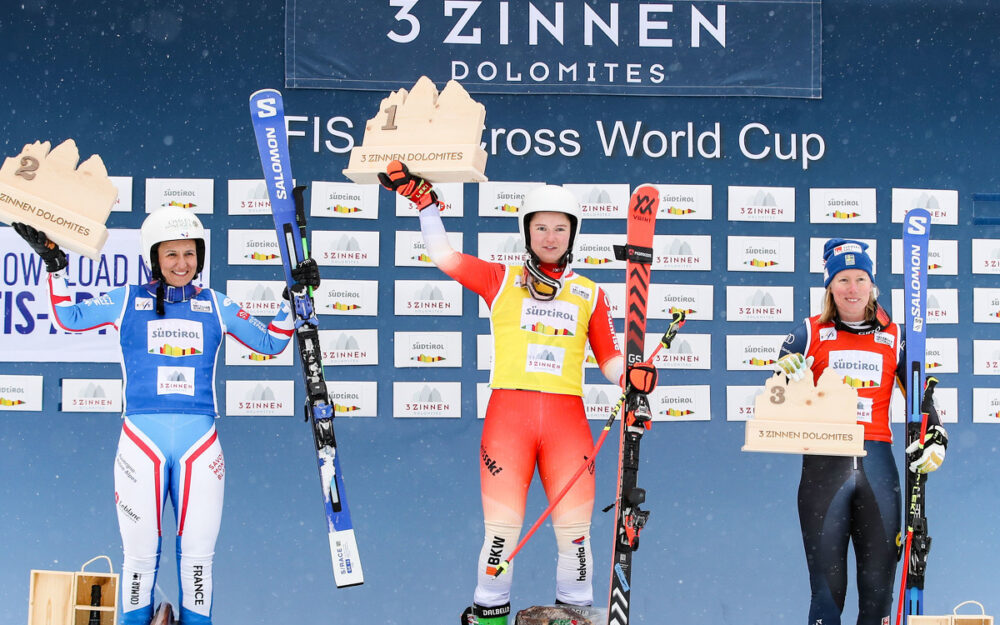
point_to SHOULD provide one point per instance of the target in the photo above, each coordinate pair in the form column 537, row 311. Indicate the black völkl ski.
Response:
column 267, row 112
column 629, row 518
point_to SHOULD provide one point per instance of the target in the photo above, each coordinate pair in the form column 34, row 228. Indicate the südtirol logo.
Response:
column 174, row 337
column 428, row 352
column 552, row 318
column 858, row 369
column 507, row 202
column 343, row 203
column 259, row 250
column 545, row 359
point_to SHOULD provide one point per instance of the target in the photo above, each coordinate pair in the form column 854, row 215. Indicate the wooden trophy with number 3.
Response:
column 436, row 135
column 799, row 418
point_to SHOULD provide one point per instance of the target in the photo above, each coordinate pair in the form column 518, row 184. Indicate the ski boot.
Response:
column 479, row 615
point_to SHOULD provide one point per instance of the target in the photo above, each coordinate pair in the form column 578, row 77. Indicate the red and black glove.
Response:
column 414, row 188
column 642, row 377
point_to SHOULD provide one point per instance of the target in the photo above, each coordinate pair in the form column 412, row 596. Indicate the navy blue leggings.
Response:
column 844, row 499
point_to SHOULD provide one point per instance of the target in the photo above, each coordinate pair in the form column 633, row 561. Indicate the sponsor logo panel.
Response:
column 681, row 403
column 91, row 395
column 412, row 252
column 343, row 200
column 683, row 252
column 345, row 248
column 260, row 298
column 349, row 347
column 942, row 257
column 986, row 405
column 942, row 304
column 775, row 204
column 238, row 354
column 356, row 298
column 600, row 399
column 428, row 297
column 687, row 351
column 427, row 349
column 502, row 247
column 123, row 203
column 763, row 254
column 759, row 303
column 601, row 201
column 942, row 204
column 248, row 197
column 354, row 398
column 942, row 356
column 740, row 401
column 595, row 251
column 985, row 357
column 685, row 201
column 21, row 393
column 503, row 199
column 842, row 206
column 427, row 399
column 752, row 352
column 260, row 398
column 986, row 305
column 253, row 247
column 986, row 256
column 194, row 194
column 697, row 301
column 451, row 196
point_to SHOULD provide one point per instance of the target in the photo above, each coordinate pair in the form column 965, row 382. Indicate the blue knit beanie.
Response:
column 841, row 254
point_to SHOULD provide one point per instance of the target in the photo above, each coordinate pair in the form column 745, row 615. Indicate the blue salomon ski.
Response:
column 267, row 112
column 916, row 240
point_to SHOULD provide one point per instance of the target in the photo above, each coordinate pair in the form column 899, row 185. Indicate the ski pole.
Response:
column 665, row 341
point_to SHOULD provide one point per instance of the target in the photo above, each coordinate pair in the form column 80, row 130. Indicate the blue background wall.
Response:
column 160, row 90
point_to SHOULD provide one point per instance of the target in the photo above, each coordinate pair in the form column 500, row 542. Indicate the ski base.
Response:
column 346, row 564
column 561, row 614
column 164, row 615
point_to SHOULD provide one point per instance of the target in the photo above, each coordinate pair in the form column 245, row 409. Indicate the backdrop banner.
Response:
column 732, row 48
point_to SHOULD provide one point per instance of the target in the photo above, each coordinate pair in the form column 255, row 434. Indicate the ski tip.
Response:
column 260, row 92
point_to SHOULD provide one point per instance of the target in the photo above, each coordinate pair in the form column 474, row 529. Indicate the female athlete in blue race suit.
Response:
column 170, row 333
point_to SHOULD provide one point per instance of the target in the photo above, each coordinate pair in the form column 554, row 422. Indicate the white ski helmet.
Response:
column 550, row 198
column 170, row 223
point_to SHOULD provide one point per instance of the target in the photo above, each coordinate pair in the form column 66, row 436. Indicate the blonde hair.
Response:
column 830, row 308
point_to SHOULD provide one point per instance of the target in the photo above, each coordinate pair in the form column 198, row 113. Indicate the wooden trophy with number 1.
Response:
column 436, row 135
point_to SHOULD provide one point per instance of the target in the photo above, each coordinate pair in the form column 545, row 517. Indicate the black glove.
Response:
column 306, row 274
column 414, row 188
column 55, row 258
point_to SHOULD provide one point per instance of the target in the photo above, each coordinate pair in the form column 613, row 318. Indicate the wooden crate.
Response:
column 64, row 598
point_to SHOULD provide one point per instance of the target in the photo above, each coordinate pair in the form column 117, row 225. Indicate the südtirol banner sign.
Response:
column 685, row 47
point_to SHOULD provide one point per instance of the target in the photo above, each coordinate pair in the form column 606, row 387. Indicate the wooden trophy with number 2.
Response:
column 436, row 135
column 45, row 189
column 800, row 418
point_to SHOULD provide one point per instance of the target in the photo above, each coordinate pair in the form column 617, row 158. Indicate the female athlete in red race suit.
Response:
column 542, row 314
column 845, row 499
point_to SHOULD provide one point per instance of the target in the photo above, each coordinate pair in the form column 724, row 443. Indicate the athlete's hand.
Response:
column 931, row 457
column 305, row 274
column 55, row 258
column 414, row 188
column 794, row 366
column 641, row 377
